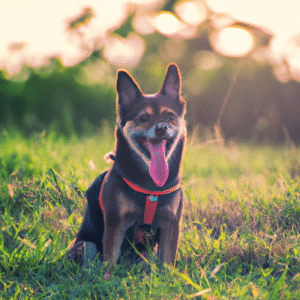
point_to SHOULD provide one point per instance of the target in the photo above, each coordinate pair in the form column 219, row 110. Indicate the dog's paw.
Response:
column 75, row 253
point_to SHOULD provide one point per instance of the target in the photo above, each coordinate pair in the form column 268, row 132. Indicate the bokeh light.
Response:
column 166, row 23
column 191, row 12
column 124, row 52
column 206, row 60
column 44, row 29
column 72, row 30
column 286, row 52
column 144, row 23
column 233, row 41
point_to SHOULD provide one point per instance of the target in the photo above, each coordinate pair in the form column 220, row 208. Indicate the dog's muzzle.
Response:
column 161, row 130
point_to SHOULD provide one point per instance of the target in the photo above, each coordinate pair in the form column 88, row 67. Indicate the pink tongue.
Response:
column 159, row 171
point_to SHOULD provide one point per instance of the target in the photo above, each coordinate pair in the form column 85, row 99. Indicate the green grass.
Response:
column 239, row 233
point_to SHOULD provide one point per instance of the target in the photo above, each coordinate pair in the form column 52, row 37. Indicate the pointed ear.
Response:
column 128, row 92
column 171, row 86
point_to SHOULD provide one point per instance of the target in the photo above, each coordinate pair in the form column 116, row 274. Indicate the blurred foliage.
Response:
column 84, row 18
column 126, row 27
column 79, row 99
column 54, row 96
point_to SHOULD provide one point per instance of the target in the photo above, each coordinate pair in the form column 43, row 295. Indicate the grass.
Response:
column 239, row 235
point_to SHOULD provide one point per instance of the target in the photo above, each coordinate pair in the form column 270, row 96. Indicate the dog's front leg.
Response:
column 112, row 241
column 167, row 246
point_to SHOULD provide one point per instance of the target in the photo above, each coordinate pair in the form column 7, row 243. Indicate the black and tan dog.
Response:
column 139, row 200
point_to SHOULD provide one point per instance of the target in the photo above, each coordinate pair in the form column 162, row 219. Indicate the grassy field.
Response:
column 239, row 235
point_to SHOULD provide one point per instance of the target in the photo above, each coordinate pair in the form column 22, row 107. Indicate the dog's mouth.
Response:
column 156, row 150
column 143, row 145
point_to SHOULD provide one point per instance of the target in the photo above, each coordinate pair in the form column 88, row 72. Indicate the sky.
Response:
column 39, row 29
column 33, row 30
column 279, row 17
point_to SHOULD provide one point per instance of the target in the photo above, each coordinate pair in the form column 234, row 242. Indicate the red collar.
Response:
column 151, row 199
column 153, row 193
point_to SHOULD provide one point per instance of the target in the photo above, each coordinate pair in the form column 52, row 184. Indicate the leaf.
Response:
column 198, row 294
column 27, row 243
column 189, row 280
column 254, row 290
column 11, row 190
column 92, row 165
column 278, row 285
column 70, row 219
column 47, row 244
column 216, row 270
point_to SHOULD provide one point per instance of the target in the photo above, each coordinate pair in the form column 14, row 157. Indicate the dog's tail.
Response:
column 109, row 158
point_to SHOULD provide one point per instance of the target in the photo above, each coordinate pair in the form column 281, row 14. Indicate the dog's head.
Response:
column 152, row 124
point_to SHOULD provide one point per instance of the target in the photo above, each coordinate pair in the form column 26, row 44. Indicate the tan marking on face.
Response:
column 182, row 130
column 148, row 110
column 130, row 126
column 143, row 125
column 165, row 109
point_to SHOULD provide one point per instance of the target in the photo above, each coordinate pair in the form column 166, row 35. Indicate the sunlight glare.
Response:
column 43, row 29
column 166, row 23
column 191, row 12
column 286, row 50
column 281, row 18
column 232, row 41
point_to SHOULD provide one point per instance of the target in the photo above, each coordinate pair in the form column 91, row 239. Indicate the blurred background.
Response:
column 239, row 60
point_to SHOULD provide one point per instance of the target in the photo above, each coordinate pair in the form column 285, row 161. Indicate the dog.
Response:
column 138, row 203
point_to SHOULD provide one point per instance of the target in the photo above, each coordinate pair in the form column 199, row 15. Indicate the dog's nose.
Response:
column 161, row 129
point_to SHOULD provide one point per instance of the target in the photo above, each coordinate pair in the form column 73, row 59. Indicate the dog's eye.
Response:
column 170, row 116
column 144, row 118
